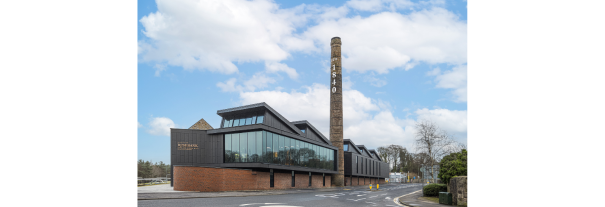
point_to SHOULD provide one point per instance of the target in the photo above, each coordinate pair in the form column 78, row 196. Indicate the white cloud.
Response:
column 347, row 84
column 388, row 40
column 453, row 121
column 379, row 5
column 160, row 126
column 158, row 69
column 257, row 81
column 274, row 67
column 382, row 129
column 375, row 81
column 139, row 125
column 434, row 72
column 366, row 121
column 211, row 35
column 313, row 105
column 455, row 79
column 229, row 85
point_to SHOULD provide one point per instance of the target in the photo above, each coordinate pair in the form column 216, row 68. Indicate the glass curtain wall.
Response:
column 267, row 147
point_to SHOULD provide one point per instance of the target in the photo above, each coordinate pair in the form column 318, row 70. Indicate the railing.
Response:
column 151, row 181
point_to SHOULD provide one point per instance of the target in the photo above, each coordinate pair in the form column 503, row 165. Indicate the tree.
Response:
column 160, row 170
column 432, row 141
column 394, row 151
column 390, row 154
column 404, row 160
column 452, row 165
column 384, row 154
column 144, row 169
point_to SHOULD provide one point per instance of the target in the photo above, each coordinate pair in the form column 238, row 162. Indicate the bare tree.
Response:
column 391, row 155
column 432, row 141
column 383, row 152
column 456, row 147
column 394, row 151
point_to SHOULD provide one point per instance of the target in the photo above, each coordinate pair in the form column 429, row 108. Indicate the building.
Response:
column 397, row 177
column 363, row 166
column 257, row 148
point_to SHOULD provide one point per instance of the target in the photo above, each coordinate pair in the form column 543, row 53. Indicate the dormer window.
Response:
column 243, row 120
column 345, row 147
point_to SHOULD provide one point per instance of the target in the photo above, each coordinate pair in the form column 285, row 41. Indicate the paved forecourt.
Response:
column 349, row 196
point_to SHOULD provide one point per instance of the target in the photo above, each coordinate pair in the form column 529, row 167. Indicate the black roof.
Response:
column 314, row 130
column 353, row 145
column 376, row 154
column 260, row 105
column 365, row 149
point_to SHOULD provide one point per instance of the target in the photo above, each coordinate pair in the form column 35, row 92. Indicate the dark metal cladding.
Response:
column 306, row 123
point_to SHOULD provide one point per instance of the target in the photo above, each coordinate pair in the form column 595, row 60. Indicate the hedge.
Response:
column 434, row 189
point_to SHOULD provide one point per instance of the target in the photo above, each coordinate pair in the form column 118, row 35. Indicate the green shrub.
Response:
column 434, row 189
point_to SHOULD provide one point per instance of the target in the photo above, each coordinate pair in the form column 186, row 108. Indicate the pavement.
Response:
column 166, row 192
column 413, row 199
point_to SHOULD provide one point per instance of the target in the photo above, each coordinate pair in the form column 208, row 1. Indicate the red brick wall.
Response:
column 209, row 179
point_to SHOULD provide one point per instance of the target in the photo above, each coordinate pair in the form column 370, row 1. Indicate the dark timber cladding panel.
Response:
column 311, row 135
column 209, row 149
column 273, row 121
column 348, row 164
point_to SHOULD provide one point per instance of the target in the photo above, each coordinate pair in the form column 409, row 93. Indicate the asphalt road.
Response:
column 348, row 198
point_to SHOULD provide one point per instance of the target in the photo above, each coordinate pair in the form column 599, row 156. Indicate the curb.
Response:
column 396, row 200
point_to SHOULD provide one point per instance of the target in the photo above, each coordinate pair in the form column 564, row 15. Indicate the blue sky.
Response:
column 403, row 61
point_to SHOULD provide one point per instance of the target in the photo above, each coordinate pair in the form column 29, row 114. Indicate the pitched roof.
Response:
column 260, row 105
column 314, row 130
column 365, row 150
column 201, row 124
column 375, row 154
column 352, row 145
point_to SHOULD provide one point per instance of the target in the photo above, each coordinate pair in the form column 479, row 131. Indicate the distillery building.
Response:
column 256, row 148
column 363, row 166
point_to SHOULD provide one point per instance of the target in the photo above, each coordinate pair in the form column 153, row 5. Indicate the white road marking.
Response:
column 335, row 195
column 396, row 200
column 260, row 204
column 280, row 206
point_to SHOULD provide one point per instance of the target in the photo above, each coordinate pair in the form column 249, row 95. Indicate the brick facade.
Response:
column 336, row 110
column 210, row 179
column 360, row 181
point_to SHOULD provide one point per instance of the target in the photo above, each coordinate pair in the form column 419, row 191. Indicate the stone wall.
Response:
column 458, row 188
column 201, row 124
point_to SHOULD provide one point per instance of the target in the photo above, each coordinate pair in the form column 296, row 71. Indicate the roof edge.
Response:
column 314, row 129
column 262, row 104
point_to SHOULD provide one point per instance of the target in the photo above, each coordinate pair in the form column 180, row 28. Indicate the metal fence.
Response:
column 151, row 181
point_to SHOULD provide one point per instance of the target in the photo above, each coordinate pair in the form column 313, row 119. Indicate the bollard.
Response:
column 377, row 186
column 370, row 186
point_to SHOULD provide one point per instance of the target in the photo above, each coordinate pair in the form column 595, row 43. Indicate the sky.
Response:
column 403, row 61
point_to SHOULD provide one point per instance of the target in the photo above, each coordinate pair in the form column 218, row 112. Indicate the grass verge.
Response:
column 431, row 199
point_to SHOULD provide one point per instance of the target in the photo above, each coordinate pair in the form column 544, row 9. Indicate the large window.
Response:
column 267, row 147
column 243, row 120
column 345, row 147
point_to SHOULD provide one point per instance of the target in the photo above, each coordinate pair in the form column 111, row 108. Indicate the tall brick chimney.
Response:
column 336, row 127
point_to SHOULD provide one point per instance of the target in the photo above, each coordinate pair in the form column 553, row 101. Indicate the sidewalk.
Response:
column 412, row 199
column 167, row 192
